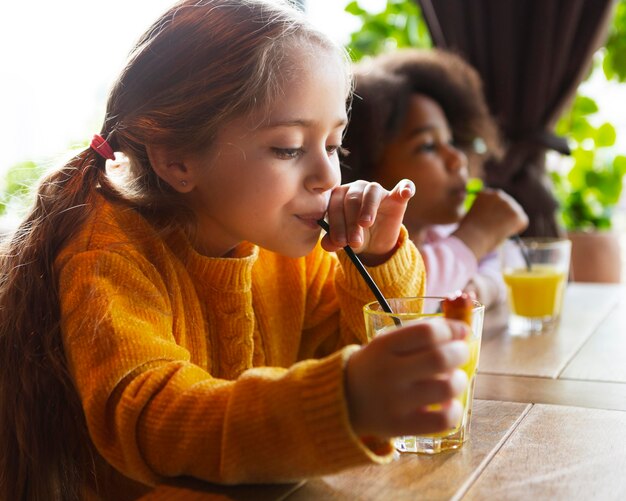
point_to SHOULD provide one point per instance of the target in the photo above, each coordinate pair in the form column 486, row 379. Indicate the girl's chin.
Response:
column 455, row 217
column 295, row 251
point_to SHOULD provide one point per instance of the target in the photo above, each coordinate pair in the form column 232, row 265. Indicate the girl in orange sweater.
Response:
column 181, row 316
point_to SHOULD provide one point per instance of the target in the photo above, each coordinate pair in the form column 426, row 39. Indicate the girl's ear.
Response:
column 171, row 168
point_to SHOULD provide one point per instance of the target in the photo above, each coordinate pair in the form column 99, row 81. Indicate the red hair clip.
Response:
column 102, row 148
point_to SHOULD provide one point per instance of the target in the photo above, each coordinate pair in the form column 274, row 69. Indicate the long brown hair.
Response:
column 200, row 64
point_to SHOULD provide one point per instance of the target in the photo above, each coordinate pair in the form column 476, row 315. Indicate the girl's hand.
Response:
column 367, row 217
column 493, row 217
column 484, row 289
column 391, row 381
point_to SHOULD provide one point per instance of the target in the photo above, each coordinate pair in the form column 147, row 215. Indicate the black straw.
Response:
column 524, row 250
column 366, row 276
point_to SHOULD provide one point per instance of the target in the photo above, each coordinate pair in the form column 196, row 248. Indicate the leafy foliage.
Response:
column 614, row 64
column 590, row 190
column 17, row 192
column 400, row 24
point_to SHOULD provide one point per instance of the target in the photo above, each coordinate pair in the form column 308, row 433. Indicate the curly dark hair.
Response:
column 383, row 87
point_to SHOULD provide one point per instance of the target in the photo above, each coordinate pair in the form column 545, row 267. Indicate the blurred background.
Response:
column 58, row 60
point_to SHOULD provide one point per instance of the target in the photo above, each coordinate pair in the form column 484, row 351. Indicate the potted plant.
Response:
column 589, row 189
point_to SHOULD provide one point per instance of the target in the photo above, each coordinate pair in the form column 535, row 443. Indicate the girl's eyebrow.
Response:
column 342, row 122
column 420, row 130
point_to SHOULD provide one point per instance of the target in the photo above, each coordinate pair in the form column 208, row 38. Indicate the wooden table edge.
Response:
column 536, row 390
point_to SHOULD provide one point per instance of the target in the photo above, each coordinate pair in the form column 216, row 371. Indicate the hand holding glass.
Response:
column 379, row 322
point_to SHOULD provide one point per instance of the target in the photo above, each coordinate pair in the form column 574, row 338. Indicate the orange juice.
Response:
column 471, row 365
column 537, row 292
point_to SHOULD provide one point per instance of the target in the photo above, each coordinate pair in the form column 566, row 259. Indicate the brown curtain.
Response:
column 532, row 55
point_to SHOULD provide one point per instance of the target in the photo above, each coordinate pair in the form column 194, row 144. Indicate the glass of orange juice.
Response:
column 378, row 321
column 535, row 272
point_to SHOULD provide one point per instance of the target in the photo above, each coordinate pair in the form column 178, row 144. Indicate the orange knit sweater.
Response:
column 225, row 369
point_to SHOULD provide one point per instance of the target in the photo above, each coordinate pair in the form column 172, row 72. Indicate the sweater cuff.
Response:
column 331, row 429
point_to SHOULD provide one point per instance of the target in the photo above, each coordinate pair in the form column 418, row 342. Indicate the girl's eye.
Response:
column 287, row 153
column 340, row 150
column 427, row 147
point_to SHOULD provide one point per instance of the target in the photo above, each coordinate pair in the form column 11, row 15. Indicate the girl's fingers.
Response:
column 419, row 334
column 424, row 364
column 336, row 217
column 422, row 420
column 432, row 396
column 405, row 189
column 423, row 398
column 435, row 391
column 352, row 207
column 372, row 197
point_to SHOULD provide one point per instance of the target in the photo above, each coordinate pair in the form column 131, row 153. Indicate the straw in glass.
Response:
column 524, row 250
column 366, row 276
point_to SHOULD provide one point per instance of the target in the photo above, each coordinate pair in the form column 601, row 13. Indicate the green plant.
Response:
column 17, row 190
column 614, row 63
column 591, row 189
column 400, row 24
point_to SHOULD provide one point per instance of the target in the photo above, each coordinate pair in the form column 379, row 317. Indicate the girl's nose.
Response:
column 325, row 173
column 455, row 158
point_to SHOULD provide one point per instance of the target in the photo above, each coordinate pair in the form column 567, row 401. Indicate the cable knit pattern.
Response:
column 225, row 369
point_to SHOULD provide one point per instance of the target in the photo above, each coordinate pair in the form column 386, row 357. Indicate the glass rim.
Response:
column 478, row 306
column 544, row 242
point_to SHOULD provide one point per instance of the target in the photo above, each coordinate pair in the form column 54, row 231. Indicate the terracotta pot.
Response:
column 596, row 257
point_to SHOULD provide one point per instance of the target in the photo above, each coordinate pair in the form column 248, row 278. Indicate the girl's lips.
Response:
column 460, row 193
column 457, row 196
column 310, row 221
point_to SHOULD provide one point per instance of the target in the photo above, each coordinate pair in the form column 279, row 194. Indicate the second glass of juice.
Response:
column 535, row 272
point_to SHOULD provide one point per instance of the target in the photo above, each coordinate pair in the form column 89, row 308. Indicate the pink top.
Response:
column 450, row 265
